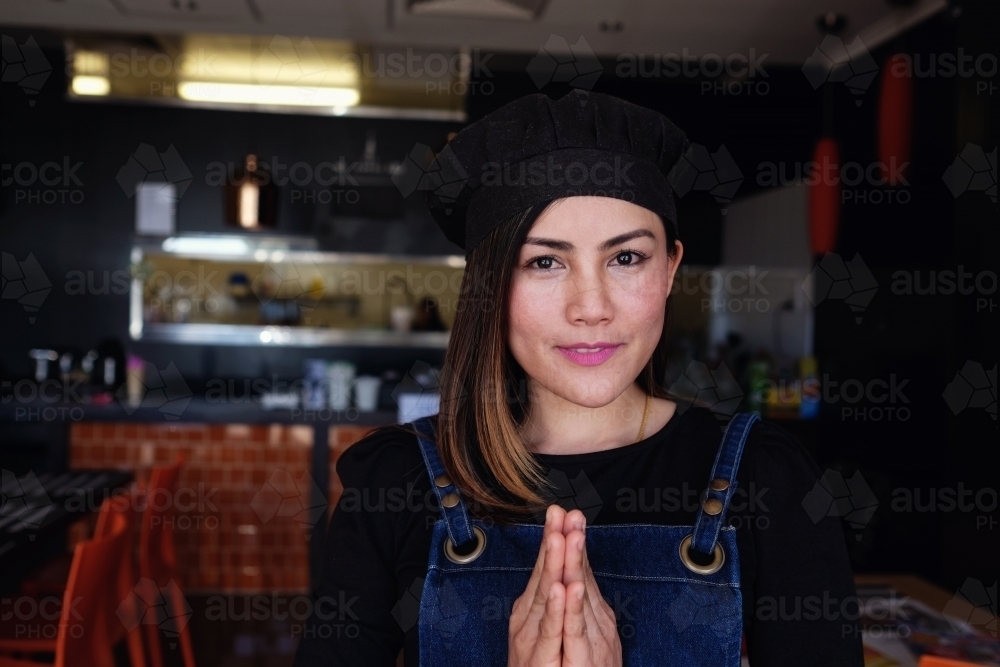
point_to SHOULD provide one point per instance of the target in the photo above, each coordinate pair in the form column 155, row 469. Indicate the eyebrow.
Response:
column 566, row 246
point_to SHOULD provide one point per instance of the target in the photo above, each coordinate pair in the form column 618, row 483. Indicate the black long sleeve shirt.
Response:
column 799, row 604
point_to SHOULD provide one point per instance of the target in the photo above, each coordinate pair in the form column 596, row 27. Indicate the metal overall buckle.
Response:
column 719, row 557
column 462, row 559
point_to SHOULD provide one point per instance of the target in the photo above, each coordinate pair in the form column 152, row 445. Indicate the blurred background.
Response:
column 219, row 272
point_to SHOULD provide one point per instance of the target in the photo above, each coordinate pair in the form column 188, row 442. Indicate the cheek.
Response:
column 642, row 302
column 530, row 312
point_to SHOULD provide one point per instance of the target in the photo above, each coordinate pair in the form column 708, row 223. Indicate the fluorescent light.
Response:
column 245, row 93
column 210, row 246
column 91, row 85
column 477, row 9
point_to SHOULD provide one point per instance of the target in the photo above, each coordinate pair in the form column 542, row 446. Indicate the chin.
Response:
column 589, row 389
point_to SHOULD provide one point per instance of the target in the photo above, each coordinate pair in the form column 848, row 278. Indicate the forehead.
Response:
column 594, row 218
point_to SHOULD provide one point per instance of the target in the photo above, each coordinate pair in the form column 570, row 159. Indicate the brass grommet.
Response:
column 719, row 484
column 450, row 500
column 449, row 549
column 712, row 506
column 711, row 568
column 442, row 480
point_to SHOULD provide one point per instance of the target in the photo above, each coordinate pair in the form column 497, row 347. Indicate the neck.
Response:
column 556, row 425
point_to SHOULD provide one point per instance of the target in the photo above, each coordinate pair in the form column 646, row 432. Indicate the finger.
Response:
column 573, row 568
column 592, row 592
column 550, row 632
column 575, row 519
column 576, row 643
column 553, row 523
column 536, row 571
column 552, row 573
column 596, row 607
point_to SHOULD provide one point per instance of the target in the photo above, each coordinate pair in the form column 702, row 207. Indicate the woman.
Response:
column 560, row 509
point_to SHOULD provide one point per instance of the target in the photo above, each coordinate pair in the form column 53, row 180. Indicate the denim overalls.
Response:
column 670, row 609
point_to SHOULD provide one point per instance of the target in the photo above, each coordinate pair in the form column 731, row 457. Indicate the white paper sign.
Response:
column 155, row 208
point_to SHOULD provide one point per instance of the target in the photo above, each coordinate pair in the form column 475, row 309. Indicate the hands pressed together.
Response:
column 561, row 619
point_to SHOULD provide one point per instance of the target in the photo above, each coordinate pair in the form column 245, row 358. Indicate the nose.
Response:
column 589, row 301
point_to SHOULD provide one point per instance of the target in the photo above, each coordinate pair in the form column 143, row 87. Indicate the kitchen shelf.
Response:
column 288, row 261
column 285, row 336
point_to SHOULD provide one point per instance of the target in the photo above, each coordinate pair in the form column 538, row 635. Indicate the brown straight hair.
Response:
column 483, row 390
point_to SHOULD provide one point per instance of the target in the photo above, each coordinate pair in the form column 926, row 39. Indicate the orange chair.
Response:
column 118, row 507
column 115, row 511
column 935, row 661
column 158, row 560
column 87, row 616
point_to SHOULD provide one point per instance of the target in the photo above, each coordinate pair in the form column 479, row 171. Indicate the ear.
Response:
column 674, row 264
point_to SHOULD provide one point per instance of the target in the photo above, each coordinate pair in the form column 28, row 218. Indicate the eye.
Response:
column 542, row 263
column 629, row 257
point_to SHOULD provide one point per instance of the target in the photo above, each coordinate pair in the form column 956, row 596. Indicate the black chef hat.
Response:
column 536, row 149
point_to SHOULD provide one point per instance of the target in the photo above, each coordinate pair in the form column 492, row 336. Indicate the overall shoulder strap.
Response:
column 450, row 501
column 722, row 482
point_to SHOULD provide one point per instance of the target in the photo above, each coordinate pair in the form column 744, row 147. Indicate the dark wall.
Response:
column 921, row 340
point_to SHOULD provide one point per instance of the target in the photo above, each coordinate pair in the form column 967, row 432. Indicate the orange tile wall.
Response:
column 223, row 543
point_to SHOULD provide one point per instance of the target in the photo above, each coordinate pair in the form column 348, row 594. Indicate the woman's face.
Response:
column 593, row 273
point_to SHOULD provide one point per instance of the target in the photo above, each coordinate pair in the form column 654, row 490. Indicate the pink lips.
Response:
column 599, row 356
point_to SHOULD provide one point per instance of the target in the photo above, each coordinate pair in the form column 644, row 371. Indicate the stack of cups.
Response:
column 366, row 393
column 340, row 376
column 314, row 395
